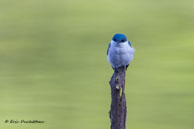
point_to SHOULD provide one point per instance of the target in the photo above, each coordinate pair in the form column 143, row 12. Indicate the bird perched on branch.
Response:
column 120, row 52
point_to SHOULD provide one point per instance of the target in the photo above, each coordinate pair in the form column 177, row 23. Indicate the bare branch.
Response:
column 118, row 109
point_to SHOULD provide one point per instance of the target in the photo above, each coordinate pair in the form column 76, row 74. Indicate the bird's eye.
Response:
column 122, row 40
column 114, row 39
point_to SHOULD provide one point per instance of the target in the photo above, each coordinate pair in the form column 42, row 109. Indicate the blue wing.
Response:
column 108, row 49
column 129, row 43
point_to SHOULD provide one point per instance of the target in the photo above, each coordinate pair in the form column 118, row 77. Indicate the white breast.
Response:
column 120, row 54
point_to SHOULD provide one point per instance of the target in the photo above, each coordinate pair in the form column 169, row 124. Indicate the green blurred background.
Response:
column 53, row 64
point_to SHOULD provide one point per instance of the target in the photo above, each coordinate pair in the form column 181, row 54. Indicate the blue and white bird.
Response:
column 120, row 52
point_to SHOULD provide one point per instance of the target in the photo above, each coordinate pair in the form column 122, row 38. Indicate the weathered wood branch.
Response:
column 118, row 109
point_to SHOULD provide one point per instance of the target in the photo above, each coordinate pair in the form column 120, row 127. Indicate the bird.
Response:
column 120, row 51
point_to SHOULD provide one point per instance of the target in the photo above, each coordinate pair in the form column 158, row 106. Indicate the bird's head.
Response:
column 119, row 38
